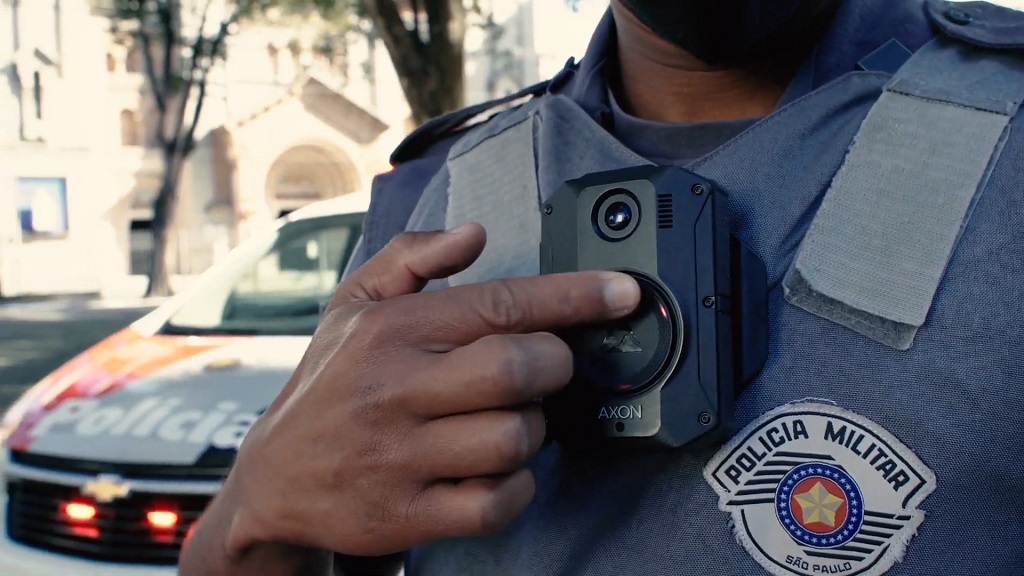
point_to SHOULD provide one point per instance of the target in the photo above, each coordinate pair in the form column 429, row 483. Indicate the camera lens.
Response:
column 618, row 216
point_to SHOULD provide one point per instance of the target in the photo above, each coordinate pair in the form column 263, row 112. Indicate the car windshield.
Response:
column 276, row 286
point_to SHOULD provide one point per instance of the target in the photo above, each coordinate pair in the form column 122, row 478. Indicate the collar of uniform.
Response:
column 587, row 85
column 859, row 28
column 863, row 26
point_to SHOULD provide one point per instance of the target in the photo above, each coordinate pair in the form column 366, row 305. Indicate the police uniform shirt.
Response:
column 909, row 461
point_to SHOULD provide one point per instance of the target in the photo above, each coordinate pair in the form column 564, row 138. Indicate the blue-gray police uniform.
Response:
column 884, row 434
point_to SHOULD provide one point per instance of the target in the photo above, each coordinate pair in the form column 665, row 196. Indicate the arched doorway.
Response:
column 307, row 173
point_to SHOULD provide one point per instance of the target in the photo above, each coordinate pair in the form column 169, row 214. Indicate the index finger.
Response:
column 409, row 261
column 461, row 315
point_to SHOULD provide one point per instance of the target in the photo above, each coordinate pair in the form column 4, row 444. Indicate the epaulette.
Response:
column 436, row 129
column 983, row 24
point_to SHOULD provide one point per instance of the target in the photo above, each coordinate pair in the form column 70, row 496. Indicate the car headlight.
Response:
column 7, row 426
column 11, row 419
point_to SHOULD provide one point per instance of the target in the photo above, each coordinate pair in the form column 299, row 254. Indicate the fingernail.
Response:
column 621, row 293
column 459, row 229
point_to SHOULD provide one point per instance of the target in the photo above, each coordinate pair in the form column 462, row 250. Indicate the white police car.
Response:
column 108, row 461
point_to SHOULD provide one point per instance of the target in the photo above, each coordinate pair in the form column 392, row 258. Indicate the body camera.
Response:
column 667, row 375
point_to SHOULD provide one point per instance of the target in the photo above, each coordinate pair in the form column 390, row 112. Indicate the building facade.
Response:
column 286, row 121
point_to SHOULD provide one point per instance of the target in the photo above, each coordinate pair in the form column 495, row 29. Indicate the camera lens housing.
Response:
column 616, row 215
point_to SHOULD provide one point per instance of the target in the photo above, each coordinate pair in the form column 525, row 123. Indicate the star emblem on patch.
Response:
column 816, row 489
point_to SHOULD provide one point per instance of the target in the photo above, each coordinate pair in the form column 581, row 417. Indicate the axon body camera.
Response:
column 667, row 376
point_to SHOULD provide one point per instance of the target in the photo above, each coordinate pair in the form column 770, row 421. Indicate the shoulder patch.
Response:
column 436, row 129
column 979, row 23
column 815, row 489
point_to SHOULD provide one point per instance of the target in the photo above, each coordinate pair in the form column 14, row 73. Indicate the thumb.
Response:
column 409, row 261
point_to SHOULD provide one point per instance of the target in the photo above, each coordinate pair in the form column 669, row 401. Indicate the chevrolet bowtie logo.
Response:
column 106, row 489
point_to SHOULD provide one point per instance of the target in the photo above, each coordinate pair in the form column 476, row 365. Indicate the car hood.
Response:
column 142, row 399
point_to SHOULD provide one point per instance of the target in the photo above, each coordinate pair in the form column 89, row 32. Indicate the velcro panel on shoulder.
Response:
column 878, row 248
column 494, row 183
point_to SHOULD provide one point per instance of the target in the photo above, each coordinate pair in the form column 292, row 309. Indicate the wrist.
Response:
column 248, row 520
column 233, row 537
column 252, row 547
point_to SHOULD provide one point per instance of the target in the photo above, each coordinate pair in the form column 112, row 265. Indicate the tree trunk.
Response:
column 163, row 216
column 443, row 88
column 431, row 73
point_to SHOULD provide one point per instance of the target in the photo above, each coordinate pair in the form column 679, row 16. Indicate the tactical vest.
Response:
column 884, row 434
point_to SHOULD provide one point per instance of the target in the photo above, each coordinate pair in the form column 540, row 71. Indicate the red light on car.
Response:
column 79, row 512
column 162, row 519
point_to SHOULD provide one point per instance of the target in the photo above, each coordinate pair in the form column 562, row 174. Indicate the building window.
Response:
column 140, row 242
column 130, row 129
column 42, row 208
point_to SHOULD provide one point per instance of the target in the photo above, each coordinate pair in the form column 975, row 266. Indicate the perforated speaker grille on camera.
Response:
column 665, row 216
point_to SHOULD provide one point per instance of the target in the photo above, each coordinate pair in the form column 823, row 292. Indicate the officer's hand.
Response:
column 412, row 415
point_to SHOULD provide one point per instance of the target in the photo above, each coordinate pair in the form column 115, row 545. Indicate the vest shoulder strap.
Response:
column 879, row 245
column 441, row 127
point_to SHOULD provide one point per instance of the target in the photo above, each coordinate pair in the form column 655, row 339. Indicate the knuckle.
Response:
column 370, row 445
column 568, row 299
column 503, row 308
column 403, row 242
column 370, row 402
column 414, row 510
column 333, row 317
column 379, row 455
column 510, row 365
column 372, row 326
column 390, row 511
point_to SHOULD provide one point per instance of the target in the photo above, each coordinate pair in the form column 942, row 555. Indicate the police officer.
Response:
column 872, row 155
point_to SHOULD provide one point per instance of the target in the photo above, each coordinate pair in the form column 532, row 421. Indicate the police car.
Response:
column 108, row 461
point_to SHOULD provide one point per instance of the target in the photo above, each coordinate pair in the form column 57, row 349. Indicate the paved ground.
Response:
column 36, row 337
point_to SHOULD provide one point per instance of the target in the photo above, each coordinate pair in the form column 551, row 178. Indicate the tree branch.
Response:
column 416, row 11
column 400, row 41
column 150, row 65
column 184, row 95
column 197, row 48
column 409, row 55
column 166, row 17
column 439, row 12
column 215, row 46
column 202, row 23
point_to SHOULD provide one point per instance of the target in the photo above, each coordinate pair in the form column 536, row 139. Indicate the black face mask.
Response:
column 728, row 32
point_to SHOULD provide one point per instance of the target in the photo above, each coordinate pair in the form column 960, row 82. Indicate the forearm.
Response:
column 209, row 551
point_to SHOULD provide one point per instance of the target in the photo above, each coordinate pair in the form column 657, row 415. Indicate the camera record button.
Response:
column 629, row 356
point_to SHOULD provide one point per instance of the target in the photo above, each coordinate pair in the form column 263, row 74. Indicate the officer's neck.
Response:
column 659, row 81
